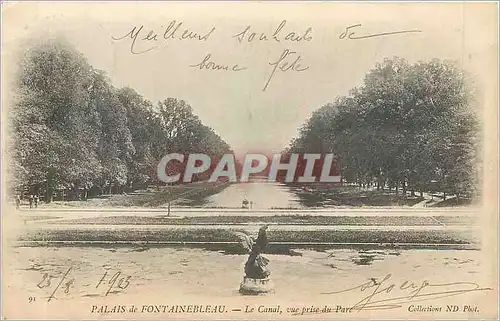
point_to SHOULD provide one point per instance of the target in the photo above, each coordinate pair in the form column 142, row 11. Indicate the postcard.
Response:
column 249, row 160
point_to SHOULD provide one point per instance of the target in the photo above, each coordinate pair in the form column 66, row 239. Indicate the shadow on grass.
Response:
column 326, row 196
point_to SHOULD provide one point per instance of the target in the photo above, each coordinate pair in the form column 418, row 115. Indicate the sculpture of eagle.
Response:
column 248, row 242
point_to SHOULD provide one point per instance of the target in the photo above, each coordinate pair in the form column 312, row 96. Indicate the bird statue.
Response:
column 256, row 265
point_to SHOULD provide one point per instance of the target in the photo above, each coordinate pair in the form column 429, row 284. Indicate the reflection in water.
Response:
column 268, row 195
column 264, row 195
column 260, row 194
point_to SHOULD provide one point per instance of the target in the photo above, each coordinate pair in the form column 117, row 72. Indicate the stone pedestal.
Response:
column 251, row 286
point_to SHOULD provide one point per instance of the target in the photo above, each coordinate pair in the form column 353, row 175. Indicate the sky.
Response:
column 234, row 103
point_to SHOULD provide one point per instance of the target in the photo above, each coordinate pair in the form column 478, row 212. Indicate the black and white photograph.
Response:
column 249, row 160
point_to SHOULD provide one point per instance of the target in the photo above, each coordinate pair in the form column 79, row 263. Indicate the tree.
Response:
column 51, row 115
column 71, row 129
column 407, row 125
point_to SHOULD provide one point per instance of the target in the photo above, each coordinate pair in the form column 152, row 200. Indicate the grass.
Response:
column 193, row 192
column 277, row 219
column 146, row 235
column 453, row 202
column 41, row 217
column 324, row 196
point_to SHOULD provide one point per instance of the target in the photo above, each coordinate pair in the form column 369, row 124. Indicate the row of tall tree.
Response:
column 71, row 129
column 411, row 127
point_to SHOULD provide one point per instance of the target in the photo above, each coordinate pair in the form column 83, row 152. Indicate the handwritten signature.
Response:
column 111, row 283
column 405, row 292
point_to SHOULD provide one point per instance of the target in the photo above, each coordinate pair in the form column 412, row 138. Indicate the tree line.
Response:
column 71, row 129
column 408, row 127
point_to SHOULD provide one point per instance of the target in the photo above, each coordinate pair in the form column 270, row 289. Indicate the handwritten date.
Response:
column 112, row 283
column 46, row 282
column 118, row 282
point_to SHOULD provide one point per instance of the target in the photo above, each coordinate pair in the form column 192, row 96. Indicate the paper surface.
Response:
column 403, row 95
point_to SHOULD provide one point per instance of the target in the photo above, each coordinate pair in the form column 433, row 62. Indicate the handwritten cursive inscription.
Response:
column 285, row 65
column 207, row 64
column 292, row 36
column 134, row 35
column 145, row 40
column 384, row 295
column 350, row 34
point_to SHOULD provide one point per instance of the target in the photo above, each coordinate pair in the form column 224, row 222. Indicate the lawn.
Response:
column 276, row 219
column 152, row 197
column 227, row 239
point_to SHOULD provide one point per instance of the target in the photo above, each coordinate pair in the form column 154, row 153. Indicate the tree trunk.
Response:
column 49, row 194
